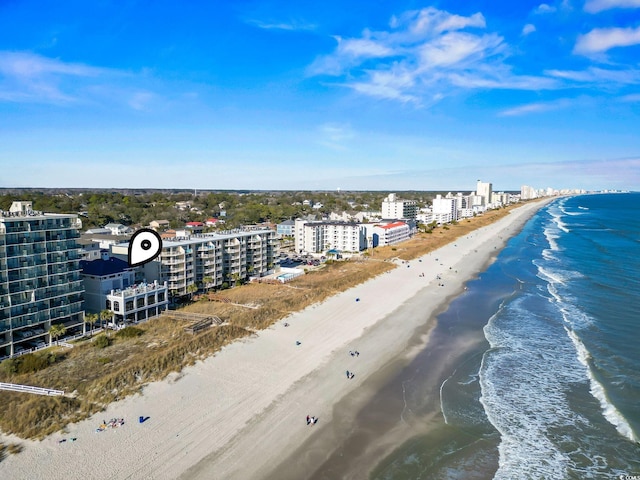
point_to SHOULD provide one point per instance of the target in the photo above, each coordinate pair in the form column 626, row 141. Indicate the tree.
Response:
column 207, row 282
column 89, row 320
column 57, row 330
column 105, row 316
column 191, row 289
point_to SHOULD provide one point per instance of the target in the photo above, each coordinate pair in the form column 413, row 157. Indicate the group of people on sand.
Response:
column 113, row 423
column 353, row 353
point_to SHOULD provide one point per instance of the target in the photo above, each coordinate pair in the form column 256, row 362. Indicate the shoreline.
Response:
column 226, row 416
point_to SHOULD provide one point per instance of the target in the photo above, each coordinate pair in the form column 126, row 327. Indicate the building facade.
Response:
column 396, row 208
column 40, row 282
column 209, row 260
column 317, row 237
column 444, row 209
column 137, row 302
column 484, row 189
column 390, row 234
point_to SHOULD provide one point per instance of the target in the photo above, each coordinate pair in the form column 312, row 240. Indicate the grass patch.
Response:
column 28, row 363
column 129, row 332
column 101, row 341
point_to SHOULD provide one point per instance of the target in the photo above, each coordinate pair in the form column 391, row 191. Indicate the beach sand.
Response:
column 241, row 414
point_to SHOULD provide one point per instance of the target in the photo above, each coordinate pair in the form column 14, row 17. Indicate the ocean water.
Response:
column 554, row 391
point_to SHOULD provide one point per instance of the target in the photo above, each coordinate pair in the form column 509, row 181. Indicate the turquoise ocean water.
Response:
column 554, row 392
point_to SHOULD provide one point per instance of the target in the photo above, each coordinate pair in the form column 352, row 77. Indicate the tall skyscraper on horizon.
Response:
column 484, row 189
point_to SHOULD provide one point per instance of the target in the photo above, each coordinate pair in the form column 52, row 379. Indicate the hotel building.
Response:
column 317, row 237
column 40, row 282
column 396, row 208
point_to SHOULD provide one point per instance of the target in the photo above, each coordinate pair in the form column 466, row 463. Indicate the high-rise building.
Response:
column 40, row 282
column 484, row 189
column 444, row 209
column 394, row 208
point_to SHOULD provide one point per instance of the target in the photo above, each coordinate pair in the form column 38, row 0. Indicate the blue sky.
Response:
column 380, row 95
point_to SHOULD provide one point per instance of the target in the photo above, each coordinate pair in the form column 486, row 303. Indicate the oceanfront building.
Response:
column 209, row 260
column 317, row 237
column 396, row 208
column 137, row 302
column 40, row 282
column 390, row 234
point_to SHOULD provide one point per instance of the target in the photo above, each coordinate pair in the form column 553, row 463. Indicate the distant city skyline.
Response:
column 269, row 95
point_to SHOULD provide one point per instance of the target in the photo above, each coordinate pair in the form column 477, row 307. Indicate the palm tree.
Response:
column 89, row 320
column 207, row 282
column 105, row 316
column 57, row 330
column 191, row 289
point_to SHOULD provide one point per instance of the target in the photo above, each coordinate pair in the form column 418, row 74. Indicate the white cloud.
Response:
column 602, row 39
column 596, row 6
column 528, row 28
column 432, row 21
column 424, row 55
column 141, row 100
column 598, row 75
column 27, row 77
column 458, row 47
column 544, row 8
column 536, row 107
column 292, row 25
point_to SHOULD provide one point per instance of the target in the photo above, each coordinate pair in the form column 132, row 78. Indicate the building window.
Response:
column 108, row 304
column 116, row 306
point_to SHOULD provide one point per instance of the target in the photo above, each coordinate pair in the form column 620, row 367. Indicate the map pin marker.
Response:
column 144, row 246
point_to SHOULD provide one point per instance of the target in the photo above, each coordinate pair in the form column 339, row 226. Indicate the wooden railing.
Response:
column 14, row 387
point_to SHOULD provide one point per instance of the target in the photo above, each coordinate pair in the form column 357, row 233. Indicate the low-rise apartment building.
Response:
column 209, row 260
column 390, row 234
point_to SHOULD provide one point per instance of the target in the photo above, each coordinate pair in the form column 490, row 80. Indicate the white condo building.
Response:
column 444, row 209
column 484, row 189
column 390, row 234
column 396, row 208
column 317, row 237
column 209, row 260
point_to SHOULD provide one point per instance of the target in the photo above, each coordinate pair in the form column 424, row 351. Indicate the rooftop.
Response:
column 101, row 268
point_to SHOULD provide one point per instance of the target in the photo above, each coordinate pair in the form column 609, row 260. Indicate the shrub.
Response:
column 28, row 363
column 104, row 360
column 129, row 332
column 101, row 341
column 9, row 366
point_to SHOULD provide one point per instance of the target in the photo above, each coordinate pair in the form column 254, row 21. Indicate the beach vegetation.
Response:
column 10, row 449
column 101, row 341
column 129, row 332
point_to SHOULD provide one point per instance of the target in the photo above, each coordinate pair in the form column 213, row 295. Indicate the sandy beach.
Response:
column 241, row 414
